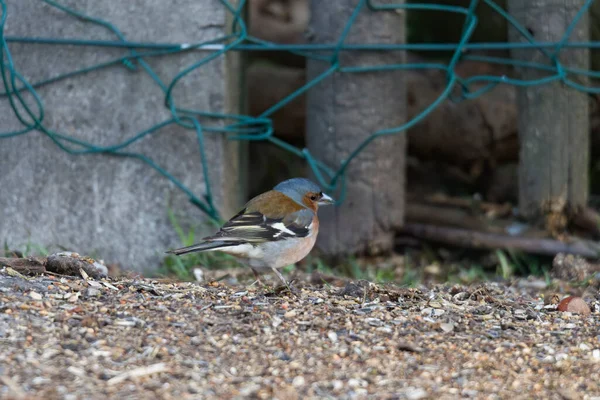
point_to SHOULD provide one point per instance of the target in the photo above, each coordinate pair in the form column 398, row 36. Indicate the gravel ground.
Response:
column 72, row 338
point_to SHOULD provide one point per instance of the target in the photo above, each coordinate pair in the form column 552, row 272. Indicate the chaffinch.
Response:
column 274, row 229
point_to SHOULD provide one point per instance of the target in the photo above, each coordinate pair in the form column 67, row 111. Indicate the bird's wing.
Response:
column 267, row 218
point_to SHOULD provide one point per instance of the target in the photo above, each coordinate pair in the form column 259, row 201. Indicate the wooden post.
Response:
column 345, row 109
column 553, row 118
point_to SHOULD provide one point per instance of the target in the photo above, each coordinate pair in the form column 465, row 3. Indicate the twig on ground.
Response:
column 485, row 240
column 138, row 372
column 26, row 266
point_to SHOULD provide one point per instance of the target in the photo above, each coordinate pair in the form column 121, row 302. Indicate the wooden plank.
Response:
column 345, row 109
column 553, row 118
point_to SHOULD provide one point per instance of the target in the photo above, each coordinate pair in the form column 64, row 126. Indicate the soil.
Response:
column 73, row 338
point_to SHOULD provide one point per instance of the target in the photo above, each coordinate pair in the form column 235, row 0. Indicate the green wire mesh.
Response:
column 260, row 128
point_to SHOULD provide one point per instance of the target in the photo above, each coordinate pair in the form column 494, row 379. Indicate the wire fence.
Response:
column 244, row 127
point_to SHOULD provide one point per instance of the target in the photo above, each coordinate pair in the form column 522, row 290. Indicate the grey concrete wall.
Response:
column 115, row 208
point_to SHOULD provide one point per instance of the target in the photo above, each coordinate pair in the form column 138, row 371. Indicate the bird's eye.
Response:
column 313, row 197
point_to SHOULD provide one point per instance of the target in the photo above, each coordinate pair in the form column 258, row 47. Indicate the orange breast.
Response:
column 301, row 247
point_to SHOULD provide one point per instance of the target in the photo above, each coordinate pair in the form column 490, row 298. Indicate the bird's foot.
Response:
column 260, row 284
column 289, row 287
column 257, row 282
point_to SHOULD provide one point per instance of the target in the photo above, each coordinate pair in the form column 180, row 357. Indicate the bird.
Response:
column 272, row 230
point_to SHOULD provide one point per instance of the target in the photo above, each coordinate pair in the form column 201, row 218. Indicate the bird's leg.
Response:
column 257, row 277
column 284, row 281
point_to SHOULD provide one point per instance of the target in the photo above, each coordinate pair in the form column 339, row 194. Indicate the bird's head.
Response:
column 304, row 192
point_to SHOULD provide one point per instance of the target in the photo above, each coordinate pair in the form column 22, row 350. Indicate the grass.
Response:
column 182, row 267
column 352, row 267
column 469, row 273
column 505, row 264
column 27, row 249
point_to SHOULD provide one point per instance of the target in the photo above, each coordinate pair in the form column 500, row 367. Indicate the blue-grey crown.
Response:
column 296, row 188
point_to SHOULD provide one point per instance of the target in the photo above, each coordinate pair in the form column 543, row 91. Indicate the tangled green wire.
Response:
column 31, row 116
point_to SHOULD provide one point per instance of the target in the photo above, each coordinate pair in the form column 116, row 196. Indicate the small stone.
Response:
column 100, row 269
column 39, row 381
column 435, row 304
column 353, row 383
column 76, row 371
column 332, row 336
column 575, row 305
column 447, row 327
column 596, row 354
column 415, row 393
column 405, row 346
column 35, row 296
column 198, row 274
column 92, row 292
column 584, row 347
column 354, row 289
column 195, row 341
column 438, row 313
column 568, row 394
column 469, row 393
column 249, row 389
column 290, row 314
column 374, row 321
column 298, row 381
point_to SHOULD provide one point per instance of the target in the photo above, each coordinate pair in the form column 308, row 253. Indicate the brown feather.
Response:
column 273, row 204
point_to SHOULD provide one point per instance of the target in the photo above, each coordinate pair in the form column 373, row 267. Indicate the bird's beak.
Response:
column 326, row 200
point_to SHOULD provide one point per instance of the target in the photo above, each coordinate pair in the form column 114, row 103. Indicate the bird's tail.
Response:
column 204, row 246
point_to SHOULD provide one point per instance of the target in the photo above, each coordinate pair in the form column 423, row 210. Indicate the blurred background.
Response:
column 441, row 200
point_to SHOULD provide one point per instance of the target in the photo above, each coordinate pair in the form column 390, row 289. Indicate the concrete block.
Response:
column 115, row 208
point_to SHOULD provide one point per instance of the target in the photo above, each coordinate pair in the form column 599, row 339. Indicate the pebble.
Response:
column 326, row 350
column 198, row 274
column 35, row 296
column 355, row 383
column 585, row 347
column 575, row 305
column 276, row 321
column 249, row 389
column 332, row 336
column 298, row 381
column 433, row 312
column 374, row 321
column 92, row 292
column 415, row 393
column 40, row 380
